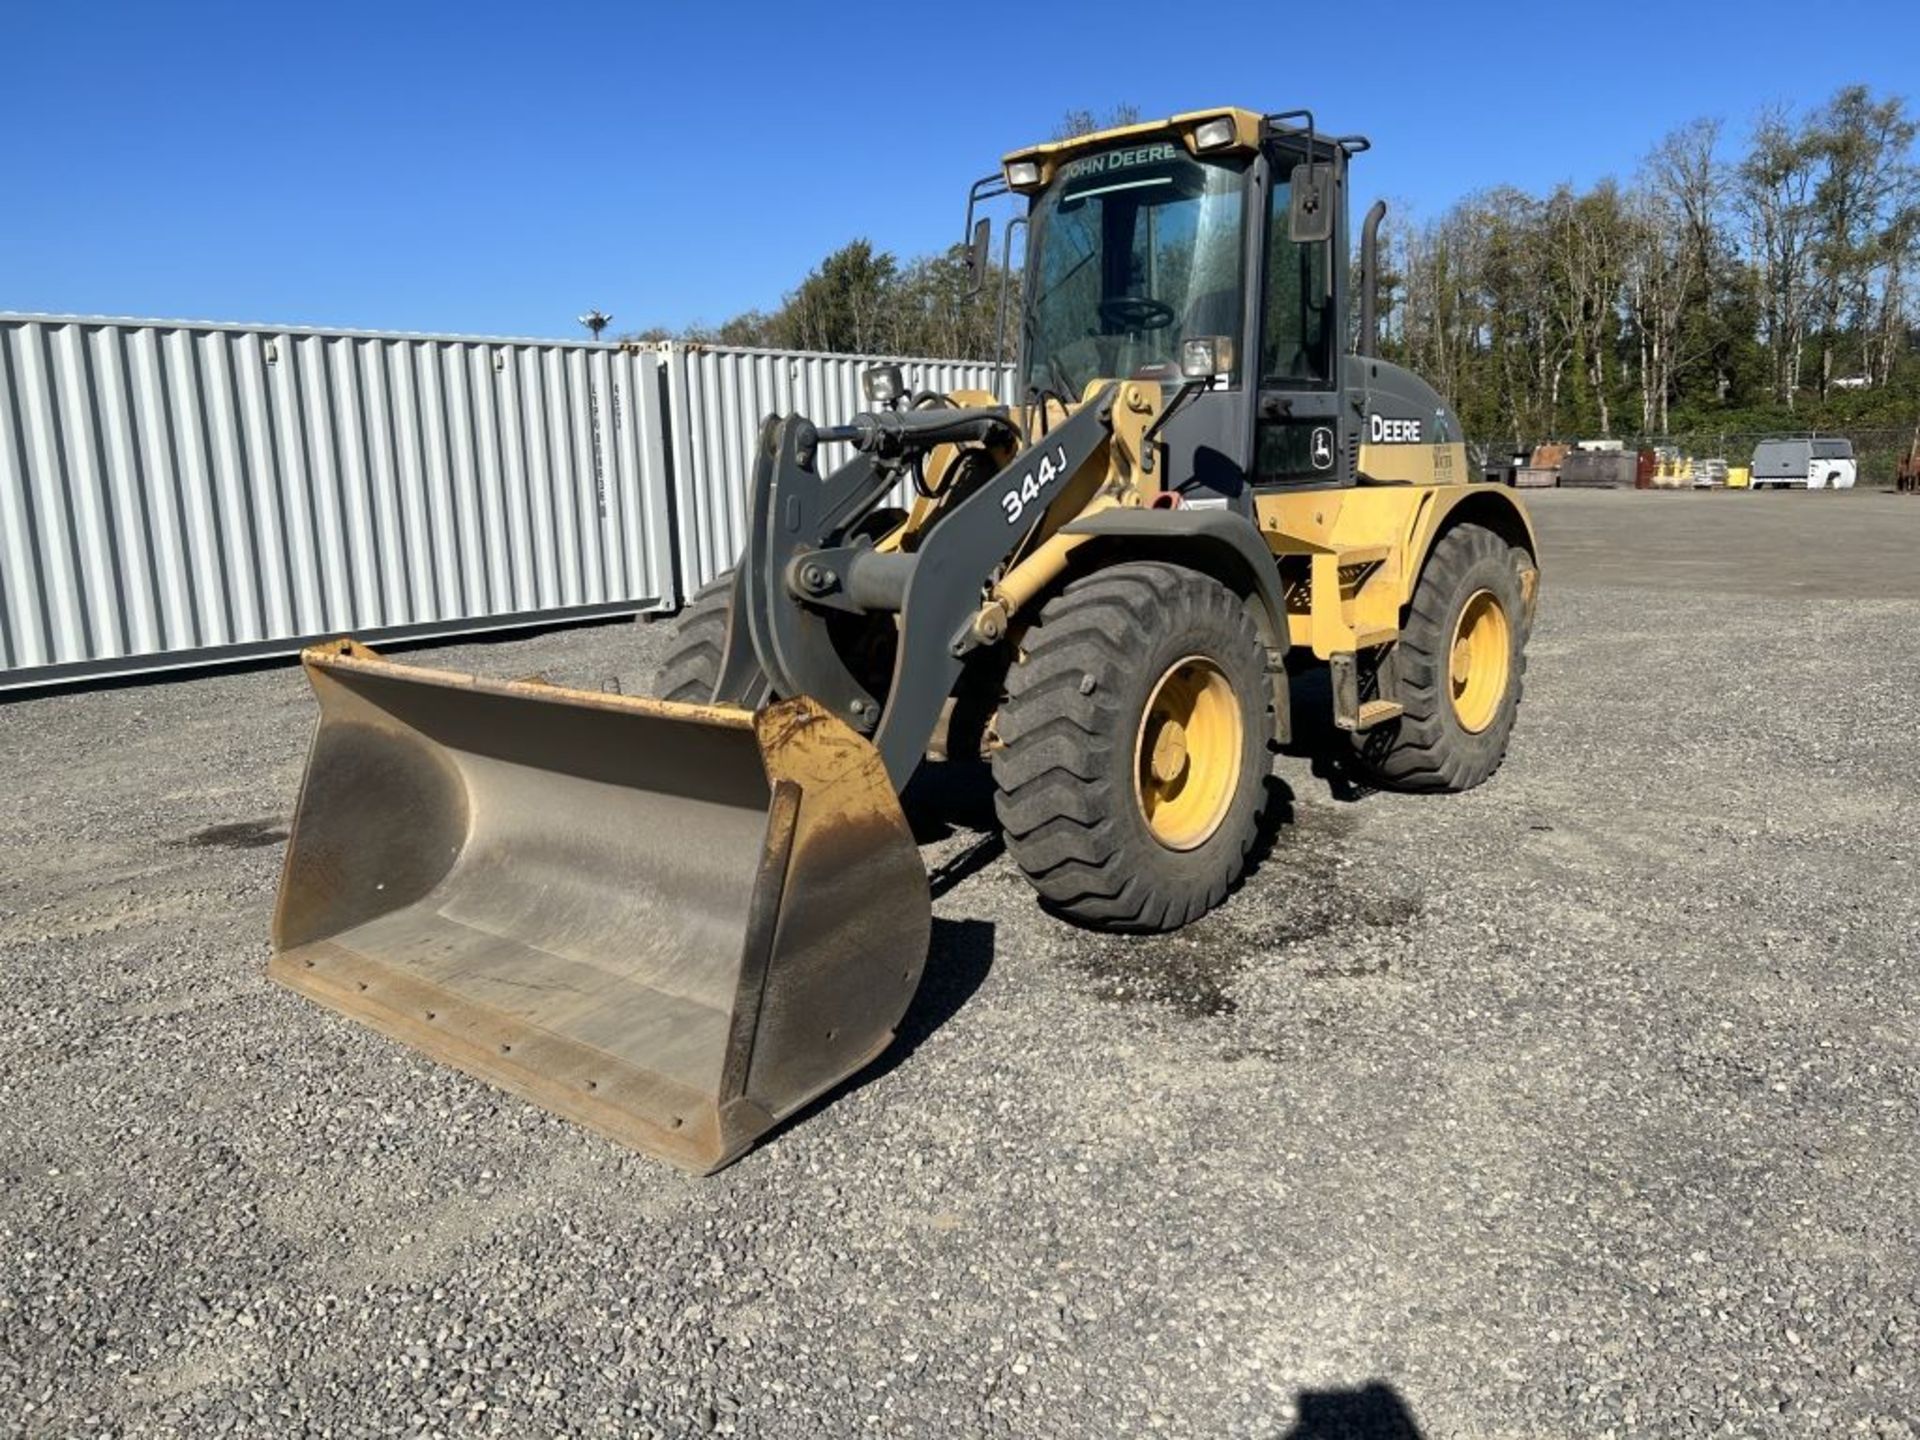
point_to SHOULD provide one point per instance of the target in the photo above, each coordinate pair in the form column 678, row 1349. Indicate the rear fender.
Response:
column 1491, row 509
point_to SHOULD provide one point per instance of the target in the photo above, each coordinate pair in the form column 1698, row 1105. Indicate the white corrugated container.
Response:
column 719, row 396
column 173, row 492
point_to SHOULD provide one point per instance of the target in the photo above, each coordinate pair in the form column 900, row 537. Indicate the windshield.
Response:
column 1130, row 252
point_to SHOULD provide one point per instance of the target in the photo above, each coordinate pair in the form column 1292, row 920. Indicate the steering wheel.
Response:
column 1136, row 312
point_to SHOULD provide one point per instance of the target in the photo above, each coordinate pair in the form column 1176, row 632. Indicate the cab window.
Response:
column 1130, row 252
column 1296, row 337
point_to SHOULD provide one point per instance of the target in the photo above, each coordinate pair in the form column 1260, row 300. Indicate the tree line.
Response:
column 1768, row 288
column 863, row 301
column 860, row 301
column 1759, row 287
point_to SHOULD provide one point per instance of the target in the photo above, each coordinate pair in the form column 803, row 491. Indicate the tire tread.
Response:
column 1057, row 775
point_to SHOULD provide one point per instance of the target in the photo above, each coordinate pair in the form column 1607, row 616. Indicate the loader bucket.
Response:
column 672, row 923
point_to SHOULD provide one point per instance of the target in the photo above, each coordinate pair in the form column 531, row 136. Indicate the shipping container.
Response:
column 179, row 492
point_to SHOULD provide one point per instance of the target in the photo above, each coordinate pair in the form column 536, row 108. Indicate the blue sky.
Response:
column 495, row 168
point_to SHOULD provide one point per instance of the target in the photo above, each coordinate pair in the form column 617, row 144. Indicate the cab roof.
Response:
column 1048, row 157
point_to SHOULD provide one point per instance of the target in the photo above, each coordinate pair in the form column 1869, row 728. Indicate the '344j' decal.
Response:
column 1036, row 482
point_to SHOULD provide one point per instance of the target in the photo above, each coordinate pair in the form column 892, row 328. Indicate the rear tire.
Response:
column 1135, row 747
column 1461, row 660
column 691, row 671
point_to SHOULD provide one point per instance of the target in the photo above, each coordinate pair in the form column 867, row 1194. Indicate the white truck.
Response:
column 1822, row 463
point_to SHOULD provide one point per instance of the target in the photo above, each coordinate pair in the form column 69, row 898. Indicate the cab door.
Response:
column 1300, row 429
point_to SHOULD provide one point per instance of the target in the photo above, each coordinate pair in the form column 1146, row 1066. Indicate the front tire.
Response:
column 691, row 671
column 1461, row 660
column 1134, row 748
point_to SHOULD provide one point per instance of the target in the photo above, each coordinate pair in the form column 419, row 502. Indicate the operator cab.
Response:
column 1208, row 252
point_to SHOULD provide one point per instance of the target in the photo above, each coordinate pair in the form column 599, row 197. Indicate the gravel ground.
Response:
column 1584, row 1104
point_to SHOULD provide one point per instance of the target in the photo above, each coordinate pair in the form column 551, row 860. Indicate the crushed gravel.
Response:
column 1584, row 1104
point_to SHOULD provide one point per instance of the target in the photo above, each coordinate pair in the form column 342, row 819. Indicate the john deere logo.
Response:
column 1322, row 448
column 1382, row 431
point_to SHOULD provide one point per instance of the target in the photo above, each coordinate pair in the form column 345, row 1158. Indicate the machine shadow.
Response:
column 1326, row 749
column 959, row 958
column 1373, row 1411
column 948, row 798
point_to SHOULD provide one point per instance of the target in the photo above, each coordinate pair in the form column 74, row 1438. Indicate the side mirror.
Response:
column 977, row 255
column 1310, row 213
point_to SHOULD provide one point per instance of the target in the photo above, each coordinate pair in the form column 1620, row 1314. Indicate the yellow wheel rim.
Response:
column 1186, row 763
column 1479, row 661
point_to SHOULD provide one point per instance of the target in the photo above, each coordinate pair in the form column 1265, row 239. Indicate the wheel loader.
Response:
column 678, row 920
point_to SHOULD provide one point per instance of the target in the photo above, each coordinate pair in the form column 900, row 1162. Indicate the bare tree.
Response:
column 1658, row 278
column 1589, row 234
column 1901, row 248
column 1863, row 204
column 1775, row 185
column 1084, row 122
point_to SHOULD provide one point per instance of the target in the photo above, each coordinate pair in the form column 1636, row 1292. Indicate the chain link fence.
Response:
column 1877, row 453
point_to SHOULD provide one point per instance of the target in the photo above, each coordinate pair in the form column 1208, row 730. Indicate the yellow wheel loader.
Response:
column 678, row 920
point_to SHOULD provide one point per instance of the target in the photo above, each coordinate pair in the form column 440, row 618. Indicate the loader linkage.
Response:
column 802, row 566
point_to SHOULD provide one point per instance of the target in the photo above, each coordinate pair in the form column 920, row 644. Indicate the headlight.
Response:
column 1023, row 174
column 1213, row 134
column 1204, row 356
column 883, row 384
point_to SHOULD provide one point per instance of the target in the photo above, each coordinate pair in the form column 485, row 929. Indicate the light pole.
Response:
column 595, row 322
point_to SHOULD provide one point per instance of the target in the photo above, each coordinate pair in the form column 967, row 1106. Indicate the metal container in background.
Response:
column 177, row 492
column 1710, row 474
column 174, row 492
column 718, row 397
column 1599, row 469
column 1535, row 477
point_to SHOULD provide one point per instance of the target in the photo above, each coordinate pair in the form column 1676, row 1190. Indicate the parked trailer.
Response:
column 1822, row 463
